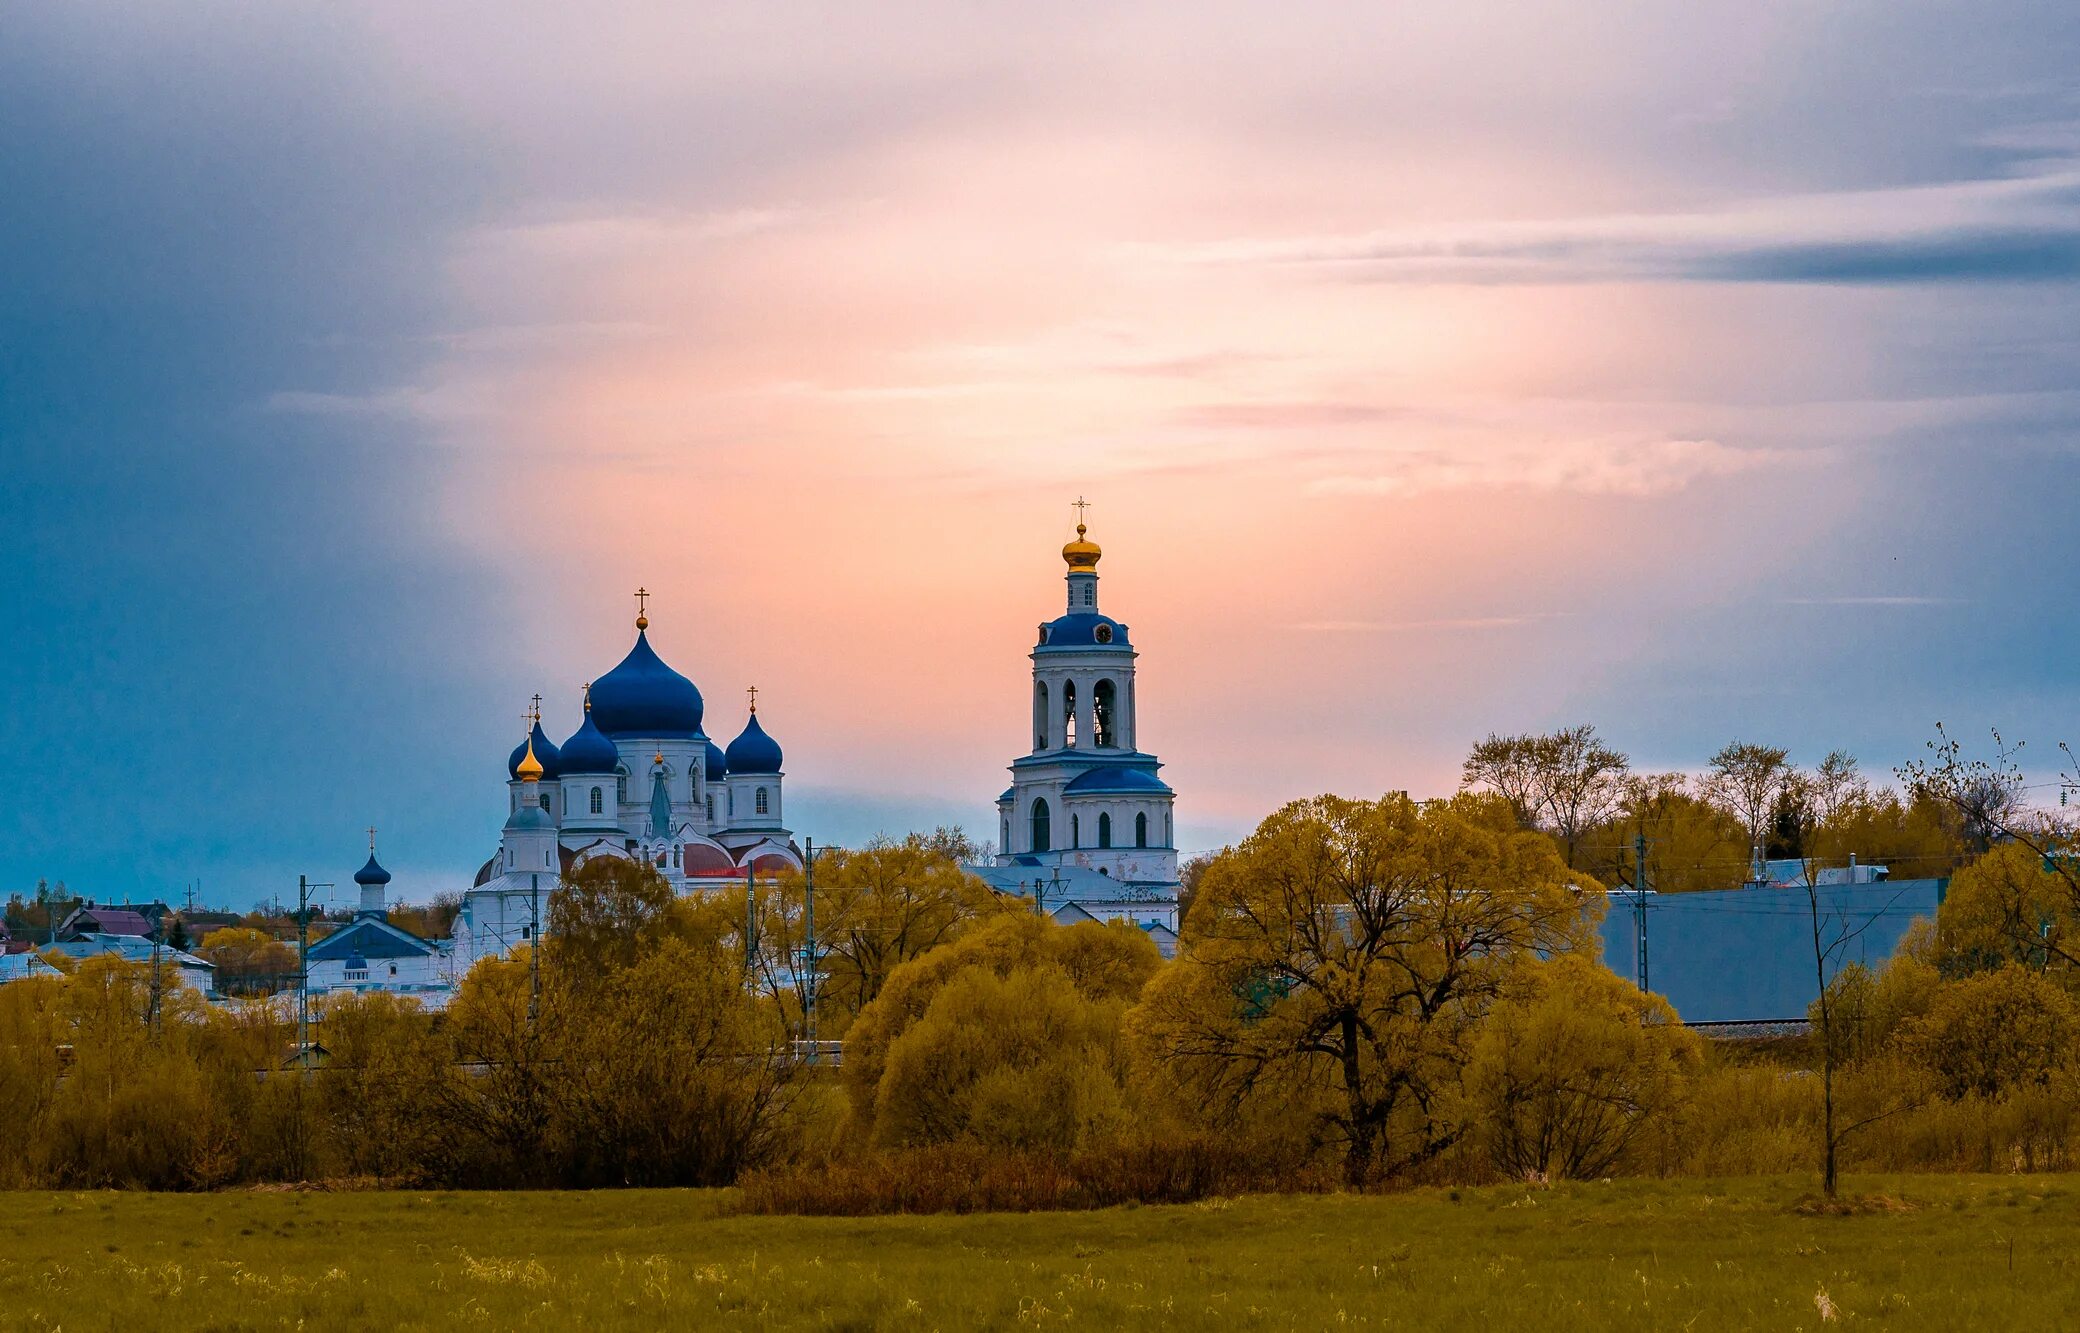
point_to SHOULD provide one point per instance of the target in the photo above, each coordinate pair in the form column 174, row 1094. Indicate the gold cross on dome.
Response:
column 753, row 692
column 371, row 840
column 642, row 608
column 538, row 708
column 1080, row 505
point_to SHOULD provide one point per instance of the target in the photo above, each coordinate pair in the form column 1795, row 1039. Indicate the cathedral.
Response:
column 1085, row 827
column 638, row 779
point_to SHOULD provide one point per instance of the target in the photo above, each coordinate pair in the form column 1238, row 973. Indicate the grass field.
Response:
column 1957, row 1253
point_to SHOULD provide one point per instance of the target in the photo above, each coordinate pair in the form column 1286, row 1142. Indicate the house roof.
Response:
column 134, row 948
column 370, row 937
column 109, row 921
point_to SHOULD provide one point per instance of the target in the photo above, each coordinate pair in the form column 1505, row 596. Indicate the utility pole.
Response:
column 809, row 945
column 303, row 1015
column 1639, row 900
column 750, row 919
column 304, row 888
column 534, row 950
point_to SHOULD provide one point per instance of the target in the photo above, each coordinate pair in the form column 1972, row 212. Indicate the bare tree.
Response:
column 1808, row 801
column 1508, row 766
column 1579, row 782
column 1835, row 786
column 1748, row 780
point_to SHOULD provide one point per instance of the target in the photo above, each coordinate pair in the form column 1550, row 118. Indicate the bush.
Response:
column 1022, row 1061
column 1993, row 1031
column 966, row 1178
column 1099, row 965
column 1567, row 1074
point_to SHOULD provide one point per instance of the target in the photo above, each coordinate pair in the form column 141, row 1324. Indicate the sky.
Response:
column 1702, row 371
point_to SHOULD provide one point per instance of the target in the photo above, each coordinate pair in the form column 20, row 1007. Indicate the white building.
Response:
column 370, row 954
column 638, row 780
column 1086, row 818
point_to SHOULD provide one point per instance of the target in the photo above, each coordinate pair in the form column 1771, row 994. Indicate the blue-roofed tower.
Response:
column 1087, row 795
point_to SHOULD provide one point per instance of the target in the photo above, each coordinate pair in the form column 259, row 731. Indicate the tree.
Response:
column 1508, row 766
column 1343, row 955
column 1993, row 1031
column 1567, row 780
column 1746, row 781
column 1573, row 1065
column 1580, row 782
column 1104, row 965
column 669, row 1072
column 1024, row 1060
column 247, row 959
column 1691, row 844
column 2006, row 907
column 1188, row 877
column 604, row 915
column 877, row 907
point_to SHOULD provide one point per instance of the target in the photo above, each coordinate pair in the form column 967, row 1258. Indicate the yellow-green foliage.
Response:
column 2000, row 908
column 1571, row 1068
column 1336, row 966
column 1994, row 1031
column 944, row 1053
column 1019, row 1061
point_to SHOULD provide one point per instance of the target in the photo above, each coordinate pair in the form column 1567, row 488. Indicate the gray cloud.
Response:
column 2021, row 229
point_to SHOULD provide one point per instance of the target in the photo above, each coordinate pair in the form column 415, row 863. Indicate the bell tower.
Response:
column 1086, row 795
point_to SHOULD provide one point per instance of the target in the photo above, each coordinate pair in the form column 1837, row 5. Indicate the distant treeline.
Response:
column 1367, row 992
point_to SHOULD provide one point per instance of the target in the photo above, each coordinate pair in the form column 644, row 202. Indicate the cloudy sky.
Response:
column 1703, row 371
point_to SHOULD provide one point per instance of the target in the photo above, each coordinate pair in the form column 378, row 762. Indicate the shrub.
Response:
column 1567, row 1074
column 1992, row 1031
column 966, row 1178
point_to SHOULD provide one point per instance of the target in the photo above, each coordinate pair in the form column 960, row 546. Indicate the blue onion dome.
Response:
column 589, row 750
column 718, row 763
column 644, row 697
column 545, row 754
column 371, row 873
column 753, row 751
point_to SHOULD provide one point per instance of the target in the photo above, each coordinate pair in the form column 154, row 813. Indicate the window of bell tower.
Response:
column 1104, row 698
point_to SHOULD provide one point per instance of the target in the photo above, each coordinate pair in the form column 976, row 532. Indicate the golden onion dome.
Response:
column 529, row 768
column 1082, row 554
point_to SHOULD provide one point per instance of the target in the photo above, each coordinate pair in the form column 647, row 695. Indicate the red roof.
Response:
column 115, row 921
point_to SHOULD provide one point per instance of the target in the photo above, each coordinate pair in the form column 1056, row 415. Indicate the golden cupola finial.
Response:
column 1082, row 554
column 530, row 768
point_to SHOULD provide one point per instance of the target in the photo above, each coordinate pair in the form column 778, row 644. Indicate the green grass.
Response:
column 1967, row 1252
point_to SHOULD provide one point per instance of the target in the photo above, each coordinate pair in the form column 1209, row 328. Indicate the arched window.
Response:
column 621, row 787
column 598, row 800
column 759, row 802
column 1075, row 832
column 1041, row 839
column 543, row 800
column 1141, row 829
column 1104, row 829
column 1039, row 714
column 1069, row 712
column 1103, row 698
column 711, row 807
